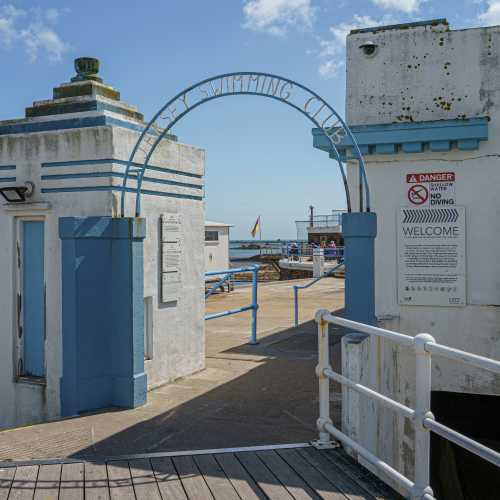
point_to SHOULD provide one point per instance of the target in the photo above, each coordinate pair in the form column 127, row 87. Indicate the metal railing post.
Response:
column 324, row 419
column 296, row 305
column 255, row 304
column 422, row 411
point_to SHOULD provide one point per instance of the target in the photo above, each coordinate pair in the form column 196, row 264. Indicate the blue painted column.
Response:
column 359, row 230
column 102, row 313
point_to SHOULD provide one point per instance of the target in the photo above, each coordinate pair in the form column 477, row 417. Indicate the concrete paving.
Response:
column 247, row 395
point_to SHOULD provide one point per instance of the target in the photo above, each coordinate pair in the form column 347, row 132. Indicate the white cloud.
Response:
column 491, row 16
column 332, row 50
column 31, row 30
column 341, row 31
column 277, row 16
column 52, row 15
column 330, row 68
column 407, row 6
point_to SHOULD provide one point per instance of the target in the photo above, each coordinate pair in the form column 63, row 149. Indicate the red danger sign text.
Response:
column 430, row 177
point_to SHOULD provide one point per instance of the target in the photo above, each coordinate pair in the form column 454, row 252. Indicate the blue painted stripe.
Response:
column 119, row 189
column 86, row 175
column 439, row 146
column 385, row 149
column 412, row 147
column 33, row 299
column 468, row 144
column 7, row 179
column 78, row 163
column 438, row 135
column 82, row 107
column 7, row 167
column 68, row 124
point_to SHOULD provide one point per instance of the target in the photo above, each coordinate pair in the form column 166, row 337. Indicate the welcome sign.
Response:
column 431, row 256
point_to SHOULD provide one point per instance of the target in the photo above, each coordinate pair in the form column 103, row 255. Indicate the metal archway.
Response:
column 294, row 94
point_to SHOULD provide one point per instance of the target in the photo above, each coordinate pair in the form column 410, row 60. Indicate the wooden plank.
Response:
column 47, row 483
column 325, row 489
column 96, row 482
column 288, row 477
column 192, row 480
column 240, row 479
column 120, row 481
column 362, row 476
column 215, row 477
column 6, row 477
column 349, row 487
column 267, row 482
column 71, row 482
column 23, row 486
column 167, row 479
column 144, row 480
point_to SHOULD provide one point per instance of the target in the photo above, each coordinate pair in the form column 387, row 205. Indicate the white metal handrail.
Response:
column 424, row 346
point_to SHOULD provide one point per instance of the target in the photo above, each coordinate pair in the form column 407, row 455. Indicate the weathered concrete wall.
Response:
column 178, row 328
column 422, row 73
column 417, row 75
column 25, row 402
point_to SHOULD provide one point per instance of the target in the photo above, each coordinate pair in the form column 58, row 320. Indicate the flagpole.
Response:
column 260, row 235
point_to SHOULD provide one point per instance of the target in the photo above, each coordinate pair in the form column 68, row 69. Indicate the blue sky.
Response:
column 259, row 156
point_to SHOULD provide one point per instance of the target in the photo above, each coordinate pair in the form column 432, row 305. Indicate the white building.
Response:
column 74, row 149
column 216, row 246
column 424, row 104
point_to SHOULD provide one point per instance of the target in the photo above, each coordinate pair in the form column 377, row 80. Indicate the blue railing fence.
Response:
column 301, row 250
column 296, row 289
column 254, row 306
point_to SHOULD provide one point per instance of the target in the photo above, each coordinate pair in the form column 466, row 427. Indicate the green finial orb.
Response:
column 86, row 69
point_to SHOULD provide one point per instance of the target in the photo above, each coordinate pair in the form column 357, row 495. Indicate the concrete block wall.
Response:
column 419, row 74
column 76, row 159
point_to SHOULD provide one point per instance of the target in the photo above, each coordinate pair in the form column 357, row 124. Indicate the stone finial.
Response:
column 86, row 69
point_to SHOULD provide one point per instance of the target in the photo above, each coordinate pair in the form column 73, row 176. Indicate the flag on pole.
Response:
column 256, row 227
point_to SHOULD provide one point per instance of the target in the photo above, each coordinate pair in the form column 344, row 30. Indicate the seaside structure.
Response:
column 216, row 246
column 321, row 229
column 94, row 309
column 424, row 104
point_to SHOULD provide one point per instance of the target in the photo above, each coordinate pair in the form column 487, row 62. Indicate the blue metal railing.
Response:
column 254, row 306
column 296, row 289
column 303, row 249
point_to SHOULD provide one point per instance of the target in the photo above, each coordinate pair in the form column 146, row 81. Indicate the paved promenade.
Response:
column 248, row 395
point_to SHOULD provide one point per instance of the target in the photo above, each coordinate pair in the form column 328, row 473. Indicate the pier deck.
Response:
column 277, row 473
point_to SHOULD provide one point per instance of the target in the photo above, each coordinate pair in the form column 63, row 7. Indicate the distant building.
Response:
column 216, row 246
column 321, row 229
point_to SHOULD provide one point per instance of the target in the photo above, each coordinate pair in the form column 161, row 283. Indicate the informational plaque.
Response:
column 431, row 256
column 171, row 256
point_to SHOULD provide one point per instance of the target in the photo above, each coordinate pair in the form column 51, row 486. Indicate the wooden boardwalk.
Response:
column 281, row 473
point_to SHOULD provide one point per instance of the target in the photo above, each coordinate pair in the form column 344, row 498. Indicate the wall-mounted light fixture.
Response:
column 17, row 194
column 369, row 48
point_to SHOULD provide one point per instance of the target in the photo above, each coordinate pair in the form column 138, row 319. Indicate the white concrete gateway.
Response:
column 424, row 104
column 74, row 149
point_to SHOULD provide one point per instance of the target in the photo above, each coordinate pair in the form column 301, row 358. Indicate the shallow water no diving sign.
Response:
column 431, row 256
column 431, row 189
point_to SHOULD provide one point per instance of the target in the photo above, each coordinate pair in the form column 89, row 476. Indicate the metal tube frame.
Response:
column 254, row 306
column 424, row 345
column 329, row 131
column 296, row 289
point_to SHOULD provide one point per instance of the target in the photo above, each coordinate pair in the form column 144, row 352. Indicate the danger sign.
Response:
column 431, row 189
column 418, row 194
column 431, row 177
